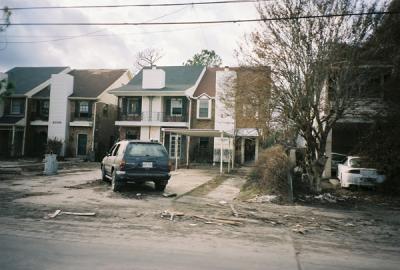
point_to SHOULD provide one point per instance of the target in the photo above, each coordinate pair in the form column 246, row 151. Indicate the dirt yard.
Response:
column 355, row 223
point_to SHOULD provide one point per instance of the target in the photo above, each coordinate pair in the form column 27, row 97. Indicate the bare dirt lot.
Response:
column 355, row 231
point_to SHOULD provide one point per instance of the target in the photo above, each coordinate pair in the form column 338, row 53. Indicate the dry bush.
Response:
column 270, row 175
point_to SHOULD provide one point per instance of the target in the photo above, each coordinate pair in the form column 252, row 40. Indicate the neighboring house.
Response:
column 181, row 106
column 71, row 106
column 368, row 104
column 13, row 109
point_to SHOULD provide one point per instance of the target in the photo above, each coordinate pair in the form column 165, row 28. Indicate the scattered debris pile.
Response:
column 59, row 212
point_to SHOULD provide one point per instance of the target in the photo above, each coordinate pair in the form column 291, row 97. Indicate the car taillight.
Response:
column 122, row 165
column 354, row 171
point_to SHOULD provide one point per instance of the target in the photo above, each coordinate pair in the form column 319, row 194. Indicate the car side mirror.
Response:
column 108, row 154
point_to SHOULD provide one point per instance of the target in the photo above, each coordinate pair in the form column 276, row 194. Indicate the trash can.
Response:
column 50, row 164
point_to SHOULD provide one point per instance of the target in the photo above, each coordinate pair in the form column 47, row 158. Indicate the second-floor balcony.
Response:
column 152, row 117
column 37, row 116
column 79, row 117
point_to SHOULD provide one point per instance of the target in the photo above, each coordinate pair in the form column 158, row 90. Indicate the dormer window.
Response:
column 176, row 107
column 204, row 108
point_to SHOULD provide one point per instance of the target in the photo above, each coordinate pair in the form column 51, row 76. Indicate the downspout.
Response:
column 188, row 137
column 26, row 124
column 94, row 125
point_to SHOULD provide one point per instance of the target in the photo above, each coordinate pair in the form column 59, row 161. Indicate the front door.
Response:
column 82, row 143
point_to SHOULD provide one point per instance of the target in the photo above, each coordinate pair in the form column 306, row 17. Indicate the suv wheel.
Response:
column 103, row 174
column 160, row 185
column 115, row 184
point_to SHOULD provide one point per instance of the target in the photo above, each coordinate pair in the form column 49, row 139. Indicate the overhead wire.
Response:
column 202, row 22
column 138, row 5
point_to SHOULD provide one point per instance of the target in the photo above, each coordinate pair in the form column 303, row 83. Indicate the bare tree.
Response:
column 147, row 58
column 314, row 65
column 247, row 98
column 6, row 18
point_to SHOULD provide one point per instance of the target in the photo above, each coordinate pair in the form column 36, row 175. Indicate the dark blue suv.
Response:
column 136, row 161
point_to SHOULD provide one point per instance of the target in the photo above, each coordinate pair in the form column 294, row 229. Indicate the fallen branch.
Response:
column 234, row 212
column 79, row 214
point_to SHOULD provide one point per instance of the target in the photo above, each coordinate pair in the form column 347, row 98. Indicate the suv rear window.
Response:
column 145, row 149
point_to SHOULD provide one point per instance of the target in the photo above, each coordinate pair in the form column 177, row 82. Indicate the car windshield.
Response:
column 357, row 163
column 145, row 149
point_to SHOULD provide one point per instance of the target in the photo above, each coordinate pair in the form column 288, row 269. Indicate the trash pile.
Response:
column 264, row 199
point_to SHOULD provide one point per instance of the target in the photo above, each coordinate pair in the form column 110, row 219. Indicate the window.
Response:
column 176, row 107
column 115, row 151
column 16, row 107
column 204, row 142
column 175, row 139
column 84, row 107
column 133, row 106
column 204, row 108
column 44, row 107
column 145, row 149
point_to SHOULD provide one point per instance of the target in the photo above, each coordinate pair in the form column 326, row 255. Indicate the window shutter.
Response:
column 76, row 108
column 139, row 107
column 184, row 107
column 168, row 106
column 124, row 105
column 22, row 109
column 37, row 107
column 90, row 103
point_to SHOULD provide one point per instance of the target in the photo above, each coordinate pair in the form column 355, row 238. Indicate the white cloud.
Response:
column 115, row 46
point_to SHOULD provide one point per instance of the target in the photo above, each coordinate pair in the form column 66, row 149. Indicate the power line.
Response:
column 93, row 35
column 204, row 22
column 139, row 5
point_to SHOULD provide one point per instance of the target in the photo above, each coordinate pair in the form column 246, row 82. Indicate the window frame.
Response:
column 178, row 138
column 80, row 107
column 208, row 111
column 130, row 101
column 16, row 101
column 172, row 107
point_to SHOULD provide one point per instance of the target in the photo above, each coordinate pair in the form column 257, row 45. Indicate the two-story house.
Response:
column 182, row 107
column 72, row 106
column 26, row 82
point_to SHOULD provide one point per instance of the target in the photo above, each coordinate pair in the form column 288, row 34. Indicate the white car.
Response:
column 353, row 173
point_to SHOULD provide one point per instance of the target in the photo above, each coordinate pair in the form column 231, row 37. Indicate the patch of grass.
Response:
column 248, row 191
column 208, row 186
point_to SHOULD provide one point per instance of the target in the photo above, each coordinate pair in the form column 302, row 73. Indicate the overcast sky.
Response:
column 116, row 46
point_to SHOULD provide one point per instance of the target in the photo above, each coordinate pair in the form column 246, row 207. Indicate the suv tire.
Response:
column 160, row 185
column 103, row 174
column 115, row 184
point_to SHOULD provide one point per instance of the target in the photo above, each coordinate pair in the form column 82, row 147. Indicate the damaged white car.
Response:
column 354, row 173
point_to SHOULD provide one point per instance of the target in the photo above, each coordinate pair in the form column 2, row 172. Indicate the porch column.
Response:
column 176, row 152
column 13, row 141
column 221, row 154
column 233, row 153
column 187, row 150
column 163, row 137
column 242, row 140
column 256, row 150
column 23, row 142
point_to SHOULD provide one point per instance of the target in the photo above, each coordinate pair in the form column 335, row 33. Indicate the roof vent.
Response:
column 153, row 78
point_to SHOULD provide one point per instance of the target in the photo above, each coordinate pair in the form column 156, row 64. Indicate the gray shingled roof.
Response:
column 25, row 79
column 89, row 83
column 9, row 119
column 177, row 78
column 92, row 82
